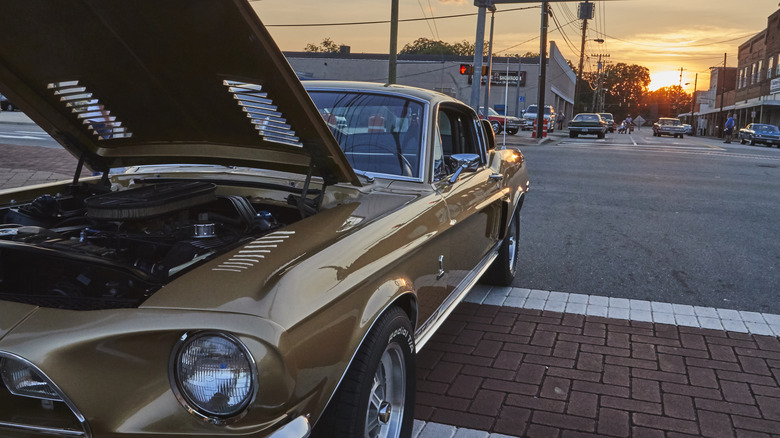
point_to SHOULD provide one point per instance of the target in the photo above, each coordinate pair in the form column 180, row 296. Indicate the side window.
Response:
column 457, row 134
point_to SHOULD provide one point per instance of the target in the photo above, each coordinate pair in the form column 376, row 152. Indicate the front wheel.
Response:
column 504, row 268
column 376, row 397
column 511, row 131
column 752, row 142
column 572, row 134
column 496, row 127
column 742, row 140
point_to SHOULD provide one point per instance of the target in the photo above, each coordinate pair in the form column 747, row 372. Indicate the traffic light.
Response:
column 468, row 69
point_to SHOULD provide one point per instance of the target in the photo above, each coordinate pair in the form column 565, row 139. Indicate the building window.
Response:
column 770, row 67
column 753, row 75
column 760, row 68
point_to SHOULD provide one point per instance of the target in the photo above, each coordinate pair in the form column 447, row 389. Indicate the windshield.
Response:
column 586, row 118
column 669, row 122
column 378, row 134
column 766, row 128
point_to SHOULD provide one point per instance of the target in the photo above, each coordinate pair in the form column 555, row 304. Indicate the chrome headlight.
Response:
column 25, row 380
column 213, row 375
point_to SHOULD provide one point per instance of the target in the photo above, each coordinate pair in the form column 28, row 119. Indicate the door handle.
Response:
column 441, row 268
column 497, row 177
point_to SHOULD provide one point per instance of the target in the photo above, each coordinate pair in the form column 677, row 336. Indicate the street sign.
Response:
column 521, row 99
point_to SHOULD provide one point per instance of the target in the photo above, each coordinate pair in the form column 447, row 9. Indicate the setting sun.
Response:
column 664, row 79
column 668, row 78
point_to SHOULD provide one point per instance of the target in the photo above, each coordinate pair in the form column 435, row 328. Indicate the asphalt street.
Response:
column 690, row 221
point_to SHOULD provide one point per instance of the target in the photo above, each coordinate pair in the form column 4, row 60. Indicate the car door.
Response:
column 473, row 199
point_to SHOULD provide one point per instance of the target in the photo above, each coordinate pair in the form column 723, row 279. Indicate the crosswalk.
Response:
column 662, row 147
column 25, row 135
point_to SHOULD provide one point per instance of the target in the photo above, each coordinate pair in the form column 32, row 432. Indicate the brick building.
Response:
column 757, row 96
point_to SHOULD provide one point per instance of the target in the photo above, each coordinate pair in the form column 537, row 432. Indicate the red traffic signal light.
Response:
column 468, row 69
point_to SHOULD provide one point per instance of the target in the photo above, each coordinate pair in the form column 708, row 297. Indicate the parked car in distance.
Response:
column 499, row 122
column 688, row 129
column 549, row 114
column 668, row 126
column 610, row 121
column 5, row 104
column 267, row 268
column 763, row 133
column 587, row 124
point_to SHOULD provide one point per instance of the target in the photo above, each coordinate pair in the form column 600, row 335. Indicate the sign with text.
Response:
column 501, row 78
column 774, row 86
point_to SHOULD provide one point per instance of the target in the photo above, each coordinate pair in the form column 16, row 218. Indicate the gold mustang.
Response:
column 248, row 257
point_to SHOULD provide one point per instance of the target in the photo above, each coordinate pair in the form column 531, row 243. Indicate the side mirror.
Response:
column 464, row 163
column 491, row 136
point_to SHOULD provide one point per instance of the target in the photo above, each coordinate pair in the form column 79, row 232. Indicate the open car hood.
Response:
column 124, row 83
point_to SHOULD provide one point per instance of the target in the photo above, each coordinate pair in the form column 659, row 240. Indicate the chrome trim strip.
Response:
column 429, row 327
column 81, row 419
column 41, row 430
column 298, row 428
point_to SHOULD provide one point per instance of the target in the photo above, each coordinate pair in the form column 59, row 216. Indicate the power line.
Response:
column 428, row 22
column 687, row 45
column 405, row 20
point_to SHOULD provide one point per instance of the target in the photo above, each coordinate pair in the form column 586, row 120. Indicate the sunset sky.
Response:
column 663, row 35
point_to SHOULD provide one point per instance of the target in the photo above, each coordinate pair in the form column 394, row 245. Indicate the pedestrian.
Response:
column 561, row 120
column 630, row 123
column 728, row 128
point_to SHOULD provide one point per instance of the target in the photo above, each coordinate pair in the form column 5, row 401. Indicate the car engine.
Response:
column 113, row 249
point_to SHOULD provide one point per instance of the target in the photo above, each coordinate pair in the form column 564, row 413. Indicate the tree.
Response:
column 326, row 46
column 625, row 84
column 426, row 46
column 669, row 101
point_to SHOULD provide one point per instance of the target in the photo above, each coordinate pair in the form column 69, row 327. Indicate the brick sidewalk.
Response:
column 537, row 373
column 27, row 165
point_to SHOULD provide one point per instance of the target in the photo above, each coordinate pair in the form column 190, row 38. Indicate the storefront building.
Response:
column 514, row 81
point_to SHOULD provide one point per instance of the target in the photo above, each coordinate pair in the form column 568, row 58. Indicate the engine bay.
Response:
column 100, row 249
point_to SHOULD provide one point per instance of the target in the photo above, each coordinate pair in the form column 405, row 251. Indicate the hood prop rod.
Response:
column 307, row 207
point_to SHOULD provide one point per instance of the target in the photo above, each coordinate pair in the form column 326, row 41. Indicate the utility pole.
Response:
column 479, row 47
column 586, row 12
column 681, row 70
column 722, row 83
column 598, row 98
column 490, row 62
column 693, row 105
column 542, row 72
column 393, row 63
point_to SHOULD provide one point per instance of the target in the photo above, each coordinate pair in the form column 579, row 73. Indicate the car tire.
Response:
column 742, row 141
column 752, row 142
column 496, row 127
column 601, row 135
column 573, row 135
column 511, row 131
column 504, row 268
column 376, row 397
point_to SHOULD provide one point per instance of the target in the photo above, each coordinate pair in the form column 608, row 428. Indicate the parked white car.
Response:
column 531, row 114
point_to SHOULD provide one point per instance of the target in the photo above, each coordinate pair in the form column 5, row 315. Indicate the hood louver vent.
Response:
column 89, row 109
column 263, row 113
